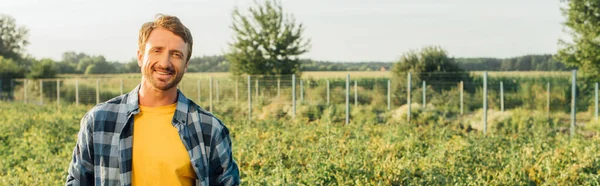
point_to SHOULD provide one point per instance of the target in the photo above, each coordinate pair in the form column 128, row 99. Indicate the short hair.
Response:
column 170, row 23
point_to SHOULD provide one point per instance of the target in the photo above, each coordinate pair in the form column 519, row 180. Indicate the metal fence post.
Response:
column 278, row 88
column 58, row 92
column 389, row 100
column 548, row 100
column 41, row 92
column 596, row 101
column 198, row 91
column 573, row 101
column 462, row 88
column 347, row 99
column 485, row 76
column 501, row 96
column 77, row 92
column 122, row 86
column 328, row 94
column 249, row 98
column 301, row 91
column 218, row 91
column 293, row 96
column 257, row 91
column 408, row 100
column 210, row 94
column 1, row 87
column 355, row 94
column 25, row 90
column 237, row 96
column 97, row 91
column 424, row 95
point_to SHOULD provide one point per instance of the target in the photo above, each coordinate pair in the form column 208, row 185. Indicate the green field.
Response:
column 36, row 143
column 528, row 143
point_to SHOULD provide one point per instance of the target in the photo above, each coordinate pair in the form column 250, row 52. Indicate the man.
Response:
column 154, row 135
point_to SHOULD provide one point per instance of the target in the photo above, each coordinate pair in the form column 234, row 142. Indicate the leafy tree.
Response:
column 100, row 67
column 583, row 22
column 430, row 64
column 13, row 38
column 9, row 69
column 266, row 41
column 45, row 68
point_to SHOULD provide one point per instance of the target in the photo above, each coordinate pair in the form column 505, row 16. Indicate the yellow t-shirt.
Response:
column 159, row 156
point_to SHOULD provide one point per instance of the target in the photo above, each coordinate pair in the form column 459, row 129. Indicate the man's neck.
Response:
column 151, row 97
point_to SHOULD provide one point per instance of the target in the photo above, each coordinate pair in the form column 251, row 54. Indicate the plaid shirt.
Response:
column 103, row 153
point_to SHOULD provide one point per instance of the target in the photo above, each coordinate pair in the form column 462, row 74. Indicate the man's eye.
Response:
column 177, row 55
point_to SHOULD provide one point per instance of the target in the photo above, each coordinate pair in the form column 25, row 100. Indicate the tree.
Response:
column 266, row 42
column 583, row 22
column 45, row 68
column 13, row 39
column 430, row 64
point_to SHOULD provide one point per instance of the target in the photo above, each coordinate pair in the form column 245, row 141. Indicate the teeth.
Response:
column 163, row 73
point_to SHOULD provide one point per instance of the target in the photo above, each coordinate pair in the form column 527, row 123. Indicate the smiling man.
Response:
column 154, row 135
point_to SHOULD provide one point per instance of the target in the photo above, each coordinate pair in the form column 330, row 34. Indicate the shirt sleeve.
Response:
column 224, row 170
column 81, row 168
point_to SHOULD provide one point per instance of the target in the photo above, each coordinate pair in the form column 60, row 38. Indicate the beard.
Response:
column 161, row 84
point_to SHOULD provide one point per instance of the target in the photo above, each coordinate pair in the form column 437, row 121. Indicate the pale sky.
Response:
column 340, row 30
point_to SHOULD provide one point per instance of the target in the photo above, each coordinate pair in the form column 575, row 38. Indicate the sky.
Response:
column 339, row 30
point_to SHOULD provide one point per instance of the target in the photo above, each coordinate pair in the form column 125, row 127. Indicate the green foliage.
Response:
column 583, row 22
column 38, row 140
column 45, row 68
column 522, row 63
column 266, row 42
column 432, row 65
column 13, row 38
column 10, row 69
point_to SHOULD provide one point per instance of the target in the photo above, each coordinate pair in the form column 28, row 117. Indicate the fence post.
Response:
column 596, row 101
column 236, row 91
column 548, row 100
column 1, row 87
column 462, row 88
column 278, row 88
column 41, row 92
column 573, row 100
column 121, row 86
column 485, row 102
column 424, row 94
column 25, row 90
column 210, row 94
column 501, row 96
column 97, row 91
column 301, row 91
column 257, row 91
column 77, row 92
column 328, row 86
column 347, row 99
column 355, row 94
column 198, row 91
column 389, row 100
column 58, row 92
column 408, row 97
column 218, row 90
column 249, row 98
column 293, row 96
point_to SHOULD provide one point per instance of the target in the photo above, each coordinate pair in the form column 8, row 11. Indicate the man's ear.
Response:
column 140, row 57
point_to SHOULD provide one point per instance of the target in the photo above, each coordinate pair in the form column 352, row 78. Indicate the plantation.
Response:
column 316, row 148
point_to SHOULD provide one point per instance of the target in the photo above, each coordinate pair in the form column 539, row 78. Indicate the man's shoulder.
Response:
column 206, row 118
column 108, row 108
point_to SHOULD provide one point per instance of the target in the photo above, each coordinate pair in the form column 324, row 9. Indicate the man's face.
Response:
column 163, row 61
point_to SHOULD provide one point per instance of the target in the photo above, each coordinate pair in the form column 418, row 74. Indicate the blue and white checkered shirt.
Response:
column 103, row 153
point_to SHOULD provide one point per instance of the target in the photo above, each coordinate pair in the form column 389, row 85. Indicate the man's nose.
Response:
column 164, row 60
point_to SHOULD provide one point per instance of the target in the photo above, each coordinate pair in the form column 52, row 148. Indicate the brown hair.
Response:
column 170, row 23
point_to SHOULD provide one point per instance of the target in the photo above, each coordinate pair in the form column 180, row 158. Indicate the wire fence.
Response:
column 288, row 96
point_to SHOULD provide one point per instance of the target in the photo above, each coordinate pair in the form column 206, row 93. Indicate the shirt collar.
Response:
column 181, row 110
